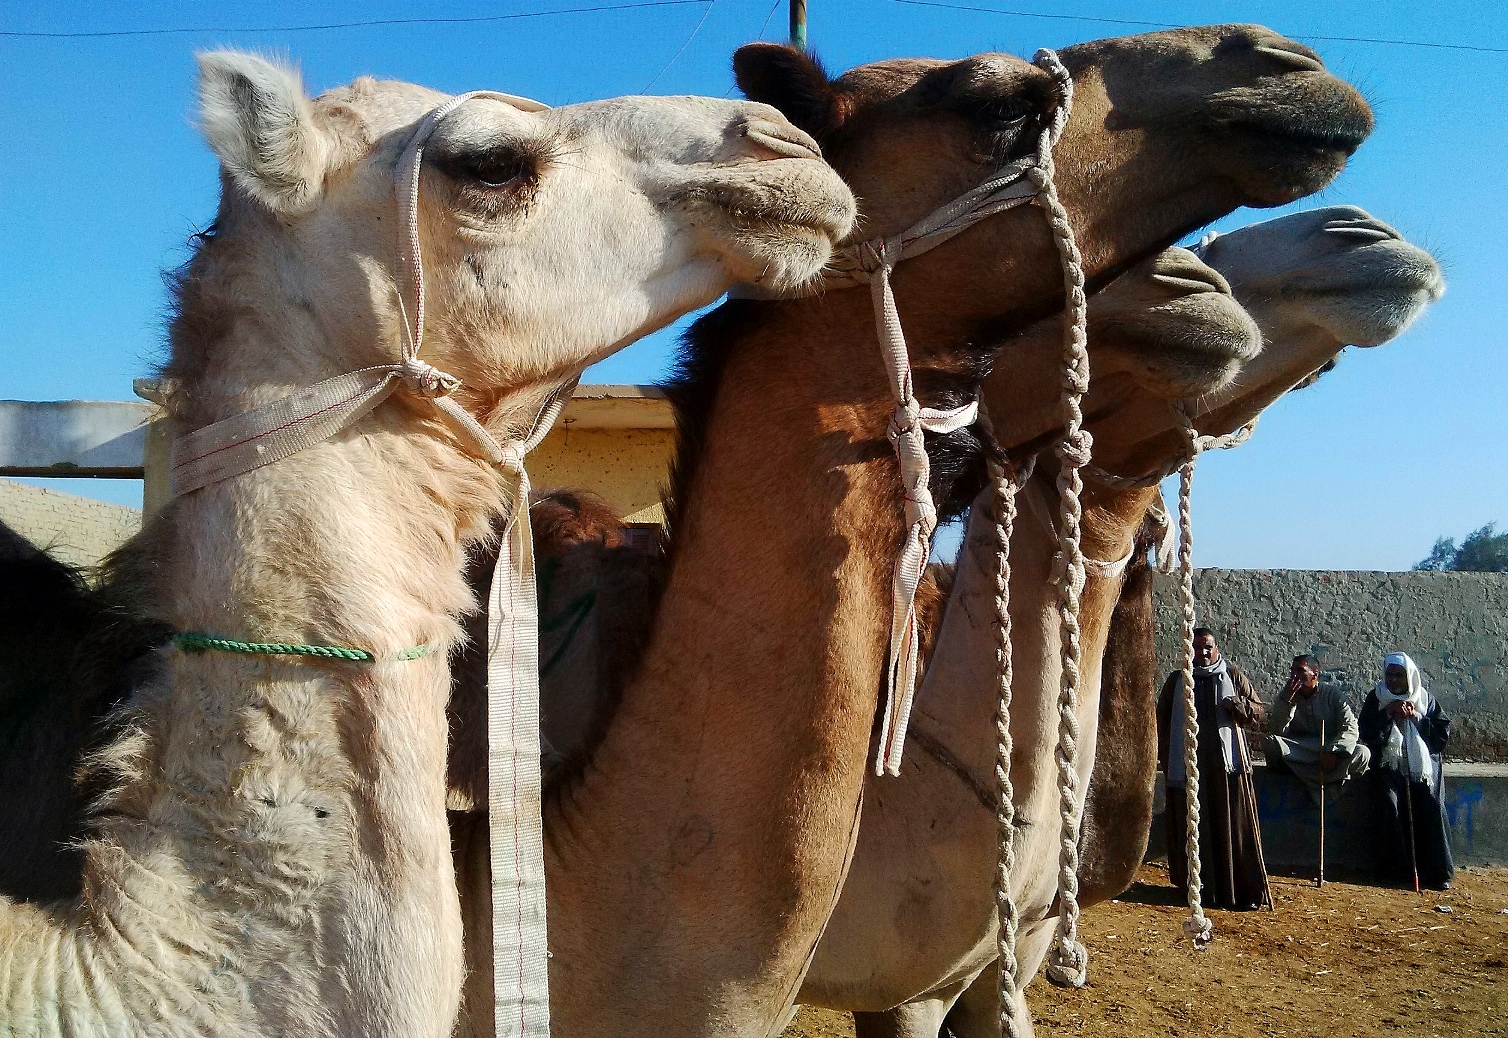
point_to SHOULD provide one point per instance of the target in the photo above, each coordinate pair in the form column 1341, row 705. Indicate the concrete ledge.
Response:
column 1476, row 806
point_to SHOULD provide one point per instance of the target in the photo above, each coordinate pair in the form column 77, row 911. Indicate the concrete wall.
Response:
column 1454, row 625
column 77, row 530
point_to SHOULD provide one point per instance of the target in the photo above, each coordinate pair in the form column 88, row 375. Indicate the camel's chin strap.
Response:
column 872, row 262
column 520, row 948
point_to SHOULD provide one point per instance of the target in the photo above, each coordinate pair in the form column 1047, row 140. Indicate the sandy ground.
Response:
column 1353, row 959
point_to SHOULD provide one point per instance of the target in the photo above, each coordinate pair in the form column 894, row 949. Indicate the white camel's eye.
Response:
column 492, row 169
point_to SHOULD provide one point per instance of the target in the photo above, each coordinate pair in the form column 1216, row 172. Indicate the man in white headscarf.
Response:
column 1230, row 848
column 1407, row 732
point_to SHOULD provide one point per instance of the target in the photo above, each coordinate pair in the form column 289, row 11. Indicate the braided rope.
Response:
column 1069, row 959
column 193, row 641
column 1201, row 444
column 1007, row 915
column 1197, row 925
column 1005, row 812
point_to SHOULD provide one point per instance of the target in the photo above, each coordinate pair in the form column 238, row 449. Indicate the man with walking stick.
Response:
column 1407, row 733
column 1230, row 843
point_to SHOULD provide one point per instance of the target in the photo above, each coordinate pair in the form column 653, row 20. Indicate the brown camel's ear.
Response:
column 258, row 120
column 793, row 82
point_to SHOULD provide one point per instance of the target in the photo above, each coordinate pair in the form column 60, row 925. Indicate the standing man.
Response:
column 1408, row 732
column 1229, row 839
column 1302, row 714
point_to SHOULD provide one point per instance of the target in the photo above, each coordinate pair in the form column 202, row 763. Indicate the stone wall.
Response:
column 1454, row 625
column 76, row 530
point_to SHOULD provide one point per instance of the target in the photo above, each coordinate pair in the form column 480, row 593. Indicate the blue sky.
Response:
column 105, row 178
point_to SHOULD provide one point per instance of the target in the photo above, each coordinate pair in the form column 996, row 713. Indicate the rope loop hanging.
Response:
column 1198, row 925
column 1068, row 960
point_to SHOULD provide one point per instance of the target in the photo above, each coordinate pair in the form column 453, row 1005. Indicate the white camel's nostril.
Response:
column 784, row 140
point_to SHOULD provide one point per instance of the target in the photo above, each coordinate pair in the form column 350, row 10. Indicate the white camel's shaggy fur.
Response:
column 273, row 857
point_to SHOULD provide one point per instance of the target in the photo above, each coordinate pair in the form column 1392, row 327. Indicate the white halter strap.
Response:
column 1017, row 184
column 520, row 945
column 286, row 426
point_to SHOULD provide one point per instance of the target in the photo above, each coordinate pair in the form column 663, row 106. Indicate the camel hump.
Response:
column 568, row 516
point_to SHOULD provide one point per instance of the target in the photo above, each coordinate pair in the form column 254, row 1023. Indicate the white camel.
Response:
column 273, row 857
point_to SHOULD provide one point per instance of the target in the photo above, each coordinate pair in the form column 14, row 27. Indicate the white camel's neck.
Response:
column 277, row 852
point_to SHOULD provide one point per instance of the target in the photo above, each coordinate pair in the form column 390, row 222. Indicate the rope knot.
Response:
column 426, row 379
column 1068, row 964
column 875, row 254
column 1076, row 448
column 906, row 418
column 1200, row 929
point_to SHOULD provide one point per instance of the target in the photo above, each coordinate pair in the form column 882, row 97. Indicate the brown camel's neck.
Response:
column 731, row 773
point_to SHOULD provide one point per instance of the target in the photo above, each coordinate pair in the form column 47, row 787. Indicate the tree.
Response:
column 1483, row 551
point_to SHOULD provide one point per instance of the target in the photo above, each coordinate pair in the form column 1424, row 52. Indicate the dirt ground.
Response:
column 1353, row 959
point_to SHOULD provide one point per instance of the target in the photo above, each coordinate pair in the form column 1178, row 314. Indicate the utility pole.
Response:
column 798, row 25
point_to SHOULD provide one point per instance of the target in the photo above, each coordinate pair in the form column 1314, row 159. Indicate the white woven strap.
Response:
column 515, row 830
column 905, row 432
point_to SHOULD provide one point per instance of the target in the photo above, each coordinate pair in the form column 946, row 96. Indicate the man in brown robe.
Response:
column 1230, row 850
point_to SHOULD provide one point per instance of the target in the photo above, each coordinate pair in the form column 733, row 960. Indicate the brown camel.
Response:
column 722, row 796
column 272, row 855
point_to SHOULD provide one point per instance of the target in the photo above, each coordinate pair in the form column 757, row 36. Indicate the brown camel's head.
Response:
column 550, row 236
column 1169, row 131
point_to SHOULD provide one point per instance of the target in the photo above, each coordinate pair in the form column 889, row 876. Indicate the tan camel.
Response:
column 906, row 896
column 904, row 941
column 1326, row 278
column 273, row 856
column 694, row 854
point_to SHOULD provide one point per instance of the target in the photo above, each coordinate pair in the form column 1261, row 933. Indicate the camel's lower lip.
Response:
column 1339, row 141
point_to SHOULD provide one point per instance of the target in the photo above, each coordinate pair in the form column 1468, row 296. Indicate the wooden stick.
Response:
column 1321, row 882
column 1256, row 822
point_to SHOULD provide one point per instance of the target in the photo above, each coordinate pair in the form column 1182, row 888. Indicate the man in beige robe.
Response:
column 1313, row 733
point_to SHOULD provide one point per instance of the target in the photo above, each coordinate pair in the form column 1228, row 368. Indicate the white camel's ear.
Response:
column 258, row 120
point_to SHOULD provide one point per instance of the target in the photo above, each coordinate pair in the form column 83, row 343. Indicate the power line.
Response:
column 1169, row 25
column 678, row 53
column 344, row 25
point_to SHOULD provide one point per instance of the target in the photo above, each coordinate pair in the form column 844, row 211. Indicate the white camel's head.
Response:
column 1316, row 282
column 550, row 236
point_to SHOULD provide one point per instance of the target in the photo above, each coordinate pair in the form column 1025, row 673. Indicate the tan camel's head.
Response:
column 550, row 237
column 1314, row 283
column 1169, row 131
column 1167, row 329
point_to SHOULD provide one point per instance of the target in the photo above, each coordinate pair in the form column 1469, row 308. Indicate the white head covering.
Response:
column 1404, row 741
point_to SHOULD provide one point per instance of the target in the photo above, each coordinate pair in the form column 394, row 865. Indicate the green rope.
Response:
column 192, row 641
